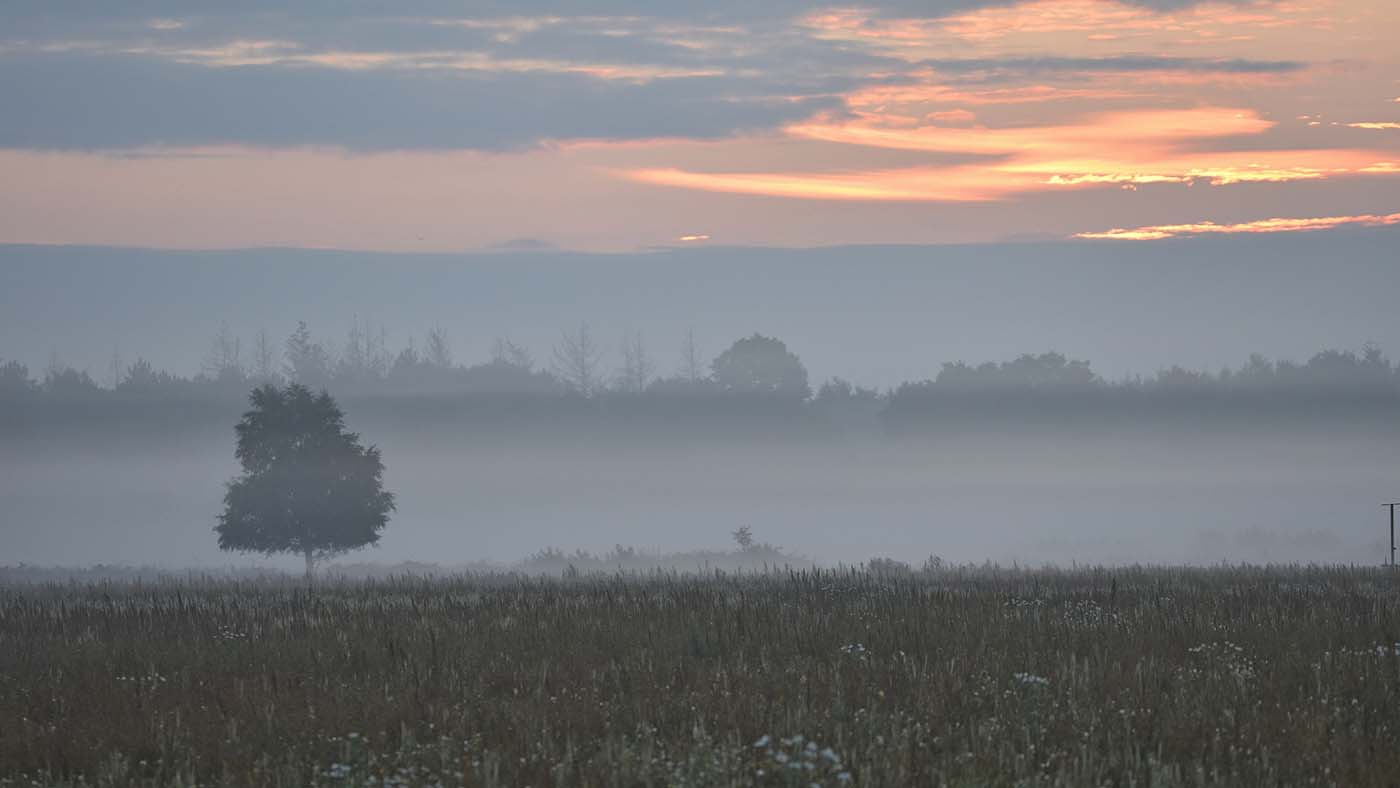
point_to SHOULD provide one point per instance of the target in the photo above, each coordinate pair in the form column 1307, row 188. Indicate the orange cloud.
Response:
column 1374, row 125
column 1125, row 149
column 1277, row 225
column 884, row 185
column 893, row 98
column 950, row 116
column 1138, row 129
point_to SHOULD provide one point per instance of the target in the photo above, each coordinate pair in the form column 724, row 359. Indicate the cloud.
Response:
column 951, row 117
column 962, row 185
column 1122, row 63
column 370, row 75
column 1125, row 149
column 1086, row 24
column 70, row 12
column 65, row 101
column 946, row 100
column 1276, row 225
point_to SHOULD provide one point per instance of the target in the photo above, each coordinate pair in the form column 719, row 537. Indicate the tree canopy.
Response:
column 761, row 365
column 308, row 486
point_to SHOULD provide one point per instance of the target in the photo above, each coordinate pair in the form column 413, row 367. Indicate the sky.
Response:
column 622, row 125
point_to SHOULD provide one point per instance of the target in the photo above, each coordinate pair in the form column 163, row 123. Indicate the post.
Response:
column 1392, row 506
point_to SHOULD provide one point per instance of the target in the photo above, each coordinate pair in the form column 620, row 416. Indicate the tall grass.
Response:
column 986, row 676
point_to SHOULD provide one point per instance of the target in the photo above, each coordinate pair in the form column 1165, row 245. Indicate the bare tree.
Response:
column 223, row 361
column 264, row 358
column 438, row 351
column 115, row 367
column 636, row 369
column 692, row 369
column 379, row 358
column 308, row 362
column 743, row 537
column 504, row 351
column 366, row 356
column 576, row 361
column 354, row 359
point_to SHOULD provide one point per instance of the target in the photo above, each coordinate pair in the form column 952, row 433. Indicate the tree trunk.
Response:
column 310, row 566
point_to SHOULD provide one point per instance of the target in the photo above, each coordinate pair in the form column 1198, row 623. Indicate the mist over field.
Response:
column 1152, row 498
column 1138, row 467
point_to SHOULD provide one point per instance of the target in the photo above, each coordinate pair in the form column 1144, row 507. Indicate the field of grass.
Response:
column 973, row 676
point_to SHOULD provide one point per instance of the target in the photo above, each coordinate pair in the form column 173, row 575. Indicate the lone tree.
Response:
column 307, row 486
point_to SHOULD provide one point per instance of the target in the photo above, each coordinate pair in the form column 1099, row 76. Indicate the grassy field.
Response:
column 1226, row 676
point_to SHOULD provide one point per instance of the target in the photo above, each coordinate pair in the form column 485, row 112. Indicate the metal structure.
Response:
column 1392, row 506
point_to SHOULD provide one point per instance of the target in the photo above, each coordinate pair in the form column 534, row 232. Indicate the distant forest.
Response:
column 756, row 384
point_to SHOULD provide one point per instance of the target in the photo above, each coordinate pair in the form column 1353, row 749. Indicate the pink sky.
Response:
column 1043, row 119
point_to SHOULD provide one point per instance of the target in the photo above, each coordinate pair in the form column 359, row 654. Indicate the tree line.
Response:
column 756, row 376
column 363, row 364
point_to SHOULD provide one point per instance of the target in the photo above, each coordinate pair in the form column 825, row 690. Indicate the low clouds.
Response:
column 112, row 101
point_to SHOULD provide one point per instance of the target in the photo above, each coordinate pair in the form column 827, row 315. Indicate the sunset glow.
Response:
column 1116, row 149
column 1262, row 226
column 992, row 114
